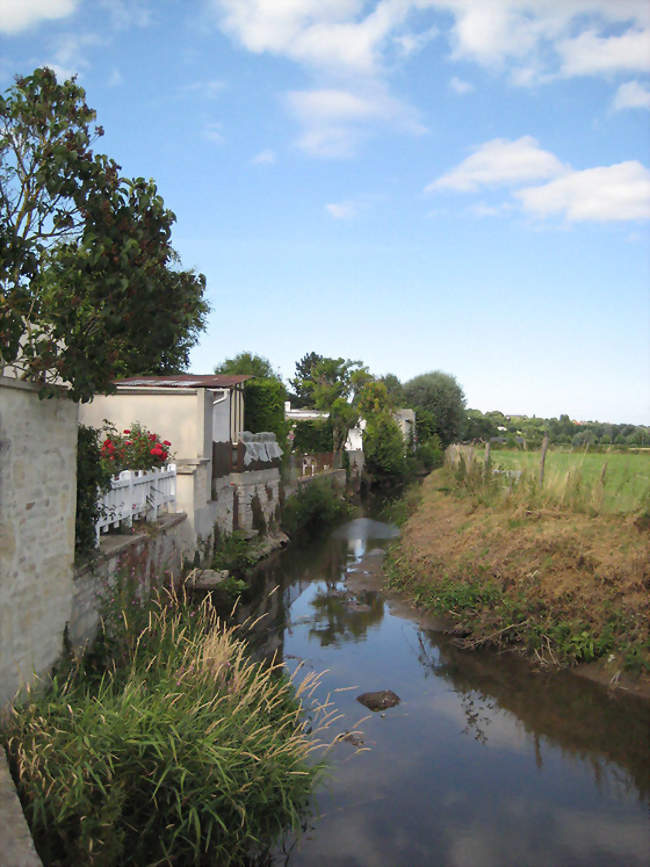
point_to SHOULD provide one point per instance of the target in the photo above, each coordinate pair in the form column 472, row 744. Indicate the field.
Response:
column 624, row 486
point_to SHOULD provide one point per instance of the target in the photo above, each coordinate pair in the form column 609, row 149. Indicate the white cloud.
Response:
column 206, row 89
column 631, row 95
column 127, row 13
column 334, row 121
column 498, row 162
column 265, row 157
column 618, row 192
column 537, row 39
column 115, row 78
column 336, row 35
column 212, row 132
column 18, row 15
column 342, row 210
column 591, row 54
column 67, row 56
column 460, row 86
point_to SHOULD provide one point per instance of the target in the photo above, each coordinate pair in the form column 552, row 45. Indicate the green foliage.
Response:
column 431, row 453
column 440, row 394
column 188, row 754
column 314, row 506
column 394, row 388
column 264, row 408
column 86, row 262
column 92, row 480
column 249, row 363
column 233, row 552
column 384, row 448
column 136, row 448
column 313, row 437
column 301, row 381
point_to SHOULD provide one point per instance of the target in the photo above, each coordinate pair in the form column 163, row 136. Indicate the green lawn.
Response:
column 627, row 477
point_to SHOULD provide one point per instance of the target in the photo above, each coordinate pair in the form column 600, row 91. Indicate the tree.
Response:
column 90, row 284
column 394, row 388
column 248, row 362
column 301, row 393
column 440, row 394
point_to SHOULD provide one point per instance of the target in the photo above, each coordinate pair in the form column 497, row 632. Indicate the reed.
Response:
column 190, row 753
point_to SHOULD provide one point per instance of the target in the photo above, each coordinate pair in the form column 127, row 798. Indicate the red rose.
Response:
column 166, row 443
column 126, row 431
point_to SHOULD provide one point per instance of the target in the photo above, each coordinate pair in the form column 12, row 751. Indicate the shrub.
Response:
column 93, row 479
column 431, row 453
column 136, row 448
column 313, row 437
column 191, row 754
column 313, row 506
column 383, row 448
column 264, row 408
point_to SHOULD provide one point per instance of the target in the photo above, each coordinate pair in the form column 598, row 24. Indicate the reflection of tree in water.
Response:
column 336, row 620
column 586, row 722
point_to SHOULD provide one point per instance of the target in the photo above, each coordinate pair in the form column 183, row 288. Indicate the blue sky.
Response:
column 459, row 185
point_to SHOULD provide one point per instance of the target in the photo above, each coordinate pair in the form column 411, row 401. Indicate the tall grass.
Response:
column 189, row 753
column 579, row 482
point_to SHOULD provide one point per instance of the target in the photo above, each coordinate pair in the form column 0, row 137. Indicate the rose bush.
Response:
column 135, row 448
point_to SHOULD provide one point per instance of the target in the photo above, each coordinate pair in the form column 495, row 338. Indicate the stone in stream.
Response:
column 379, row 700
column 206, row 579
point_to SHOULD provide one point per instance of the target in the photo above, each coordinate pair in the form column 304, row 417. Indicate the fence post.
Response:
column 541, row 465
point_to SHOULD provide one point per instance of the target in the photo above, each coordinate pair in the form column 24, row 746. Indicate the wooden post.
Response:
column 487, row 458
column 603, row 474
column 541, row 465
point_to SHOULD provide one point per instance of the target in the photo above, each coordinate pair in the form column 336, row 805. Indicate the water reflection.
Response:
column 483, row 762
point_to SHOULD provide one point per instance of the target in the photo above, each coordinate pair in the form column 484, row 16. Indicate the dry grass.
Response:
column 567, row 585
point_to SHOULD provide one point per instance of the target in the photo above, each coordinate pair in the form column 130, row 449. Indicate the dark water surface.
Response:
column 483, row 763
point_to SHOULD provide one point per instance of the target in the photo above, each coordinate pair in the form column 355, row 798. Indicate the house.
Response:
column 223, row 473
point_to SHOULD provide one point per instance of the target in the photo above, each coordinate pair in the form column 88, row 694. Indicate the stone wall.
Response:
column 38, row 460
column 257, row 495
column 145, row 559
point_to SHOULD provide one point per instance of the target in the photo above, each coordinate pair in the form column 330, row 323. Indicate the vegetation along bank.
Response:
column 550, row 570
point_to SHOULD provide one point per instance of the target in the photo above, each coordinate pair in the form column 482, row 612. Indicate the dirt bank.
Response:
column 565, row 588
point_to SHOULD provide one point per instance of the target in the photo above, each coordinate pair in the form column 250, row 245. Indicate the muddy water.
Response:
column 482, row 763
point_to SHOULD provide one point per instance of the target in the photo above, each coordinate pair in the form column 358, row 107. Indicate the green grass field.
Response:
column 626, row 482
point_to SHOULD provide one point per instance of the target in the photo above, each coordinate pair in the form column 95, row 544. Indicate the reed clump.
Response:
column 189, row 752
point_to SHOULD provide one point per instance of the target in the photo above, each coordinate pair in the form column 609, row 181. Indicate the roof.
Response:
column 187, row 380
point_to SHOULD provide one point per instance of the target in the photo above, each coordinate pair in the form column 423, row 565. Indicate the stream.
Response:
column 483, row 763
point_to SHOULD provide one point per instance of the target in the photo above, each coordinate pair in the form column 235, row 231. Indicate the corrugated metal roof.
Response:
column 186, row 380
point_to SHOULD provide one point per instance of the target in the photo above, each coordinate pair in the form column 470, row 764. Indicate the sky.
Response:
column 456, row 185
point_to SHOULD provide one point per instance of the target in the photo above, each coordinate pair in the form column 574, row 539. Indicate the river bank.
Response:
column 564, row 588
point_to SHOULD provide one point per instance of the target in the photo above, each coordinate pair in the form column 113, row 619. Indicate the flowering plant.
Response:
column 135, row 448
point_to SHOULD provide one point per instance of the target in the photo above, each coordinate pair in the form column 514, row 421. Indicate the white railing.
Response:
column 137, row 494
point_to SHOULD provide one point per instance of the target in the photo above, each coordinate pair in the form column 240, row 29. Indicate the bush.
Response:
column 264, row 408
column 190, row 754
column 383, row 448
column 312, row 507
column 431, row 453
column 93, row 479
column 313, row 437
column 136, row 448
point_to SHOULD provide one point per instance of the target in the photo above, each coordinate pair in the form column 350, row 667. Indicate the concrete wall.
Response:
column 38, row 460
column 178, row 415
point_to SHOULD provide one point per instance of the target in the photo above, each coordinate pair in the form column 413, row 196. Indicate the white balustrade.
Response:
column 137, row 494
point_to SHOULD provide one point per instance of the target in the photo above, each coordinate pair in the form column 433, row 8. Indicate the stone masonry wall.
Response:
column 38, row 465
column 263, row 486
column 145, row 559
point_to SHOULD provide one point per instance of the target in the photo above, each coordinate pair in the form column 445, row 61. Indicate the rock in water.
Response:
column 379, row 700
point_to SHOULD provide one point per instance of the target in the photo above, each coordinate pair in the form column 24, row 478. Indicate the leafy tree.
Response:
column 440, row 394
column 264, row 408
column 302, row 395
column 383, row 448
column 90, row 284
column 248, row 362
column 394, row 388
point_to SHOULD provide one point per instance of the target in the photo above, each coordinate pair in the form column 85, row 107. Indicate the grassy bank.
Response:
column 170, row 746
column 553, row 572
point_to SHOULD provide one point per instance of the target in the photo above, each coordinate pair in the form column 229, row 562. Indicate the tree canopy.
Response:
column 440, row 394
column 248, row 362
column 91, row 288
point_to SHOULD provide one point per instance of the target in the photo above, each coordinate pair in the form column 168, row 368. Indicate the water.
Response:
column 483, row 763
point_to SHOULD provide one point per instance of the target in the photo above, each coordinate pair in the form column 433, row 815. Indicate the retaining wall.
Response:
column 38, row 466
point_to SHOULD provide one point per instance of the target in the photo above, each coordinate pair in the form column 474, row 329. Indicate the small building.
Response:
column 220, row 471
